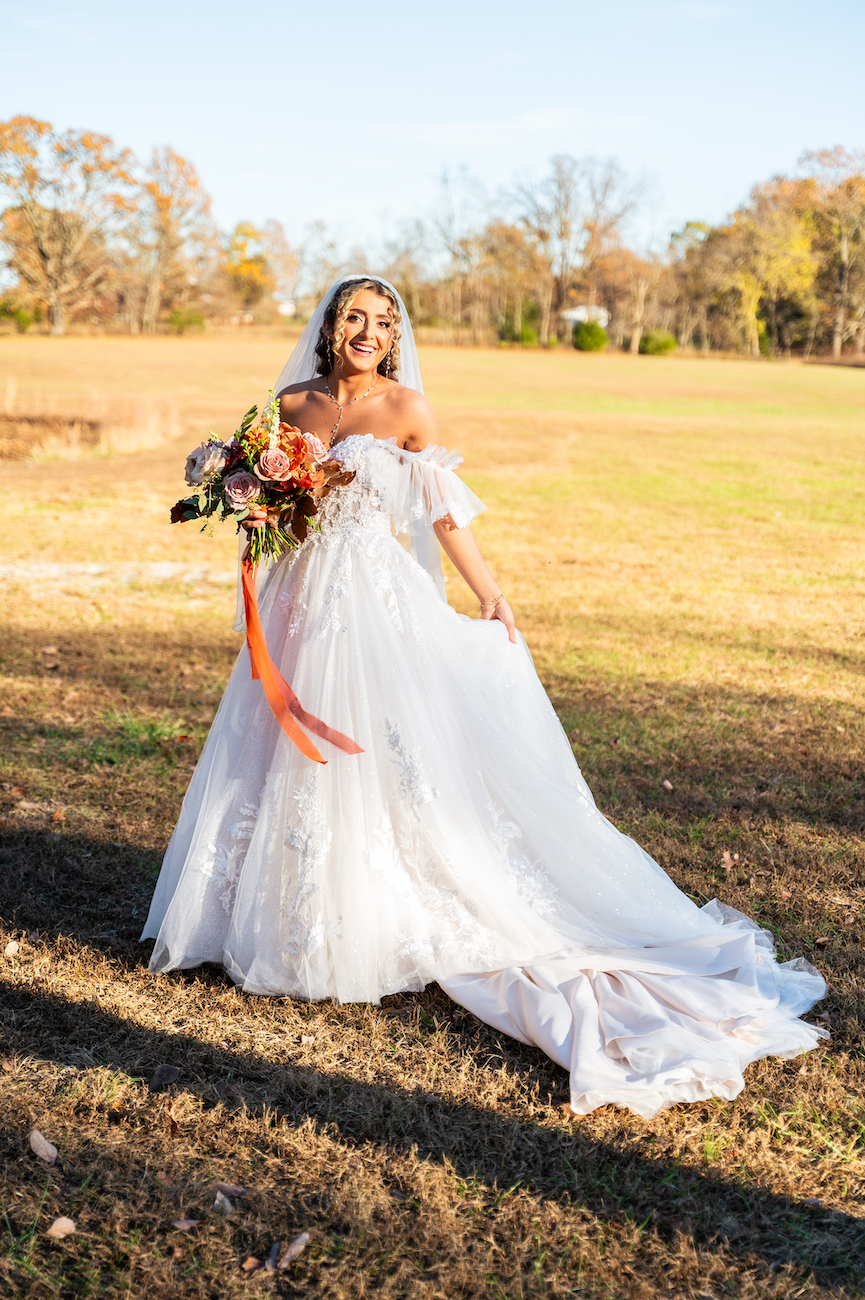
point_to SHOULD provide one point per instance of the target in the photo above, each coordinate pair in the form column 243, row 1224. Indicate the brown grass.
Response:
column 682, row 541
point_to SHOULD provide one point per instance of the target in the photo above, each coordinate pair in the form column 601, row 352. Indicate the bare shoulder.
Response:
column 294, row 390
column 415, row 416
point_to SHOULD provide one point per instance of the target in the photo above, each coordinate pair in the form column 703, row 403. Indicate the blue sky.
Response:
column 350, row 113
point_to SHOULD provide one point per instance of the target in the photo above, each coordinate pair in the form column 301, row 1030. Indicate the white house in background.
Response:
column 287, row 308
column 573, row 315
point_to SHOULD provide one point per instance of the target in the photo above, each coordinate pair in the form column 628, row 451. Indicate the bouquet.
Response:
column 269, row 476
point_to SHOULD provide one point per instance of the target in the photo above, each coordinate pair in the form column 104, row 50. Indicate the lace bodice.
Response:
column 404, row 488
column 397, row 491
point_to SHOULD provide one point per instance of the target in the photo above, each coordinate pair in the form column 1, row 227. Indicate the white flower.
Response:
column 207, row 459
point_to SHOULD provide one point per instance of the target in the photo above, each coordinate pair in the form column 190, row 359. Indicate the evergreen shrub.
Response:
column 657, row 343
column 589, row 336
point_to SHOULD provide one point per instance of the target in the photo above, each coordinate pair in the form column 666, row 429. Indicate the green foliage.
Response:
column 529, row 337
column 764, row 339
column 181, row 321
column 657, row 343
column 23, row 319
column 589, row 336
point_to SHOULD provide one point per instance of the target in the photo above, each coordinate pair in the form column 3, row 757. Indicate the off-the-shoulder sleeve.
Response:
column 424, row 491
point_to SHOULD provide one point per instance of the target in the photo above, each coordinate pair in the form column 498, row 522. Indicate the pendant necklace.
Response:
column 342, row 406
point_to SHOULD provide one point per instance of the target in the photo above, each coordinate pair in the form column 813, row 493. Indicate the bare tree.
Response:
column 574, row 215
column 69, row 194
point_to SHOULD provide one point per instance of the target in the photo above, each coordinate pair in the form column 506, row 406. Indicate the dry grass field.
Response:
column 682, row 541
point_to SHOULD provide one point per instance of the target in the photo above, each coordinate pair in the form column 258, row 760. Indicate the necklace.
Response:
column 344, row 404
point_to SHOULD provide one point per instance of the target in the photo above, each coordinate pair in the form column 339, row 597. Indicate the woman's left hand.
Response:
column 504, row 614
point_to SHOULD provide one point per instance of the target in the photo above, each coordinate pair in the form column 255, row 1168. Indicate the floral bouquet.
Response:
column 268, row 475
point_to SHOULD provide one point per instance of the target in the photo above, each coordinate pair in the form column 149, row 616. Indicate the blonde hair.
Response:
column 335, row 317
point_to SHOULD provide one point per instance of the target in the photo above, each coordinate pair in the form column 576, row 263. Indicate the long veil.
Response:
column 301, row 366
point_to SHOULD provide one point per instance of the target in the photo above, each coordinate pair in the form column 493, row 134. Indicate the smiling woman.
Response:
column 461, row 844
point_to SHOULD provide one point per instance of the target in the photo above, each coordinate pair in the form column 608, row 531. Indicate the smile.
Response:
column 363, row 348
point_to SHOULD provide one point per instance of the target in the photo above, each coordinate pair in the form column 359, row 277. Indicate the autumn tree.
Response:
column 839, row 180
column 69, row 194
column 173, row 226
column 764, row 254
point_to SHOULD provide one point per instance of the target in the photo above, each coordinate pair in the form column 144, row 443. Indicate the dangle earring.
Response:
column 387, row 372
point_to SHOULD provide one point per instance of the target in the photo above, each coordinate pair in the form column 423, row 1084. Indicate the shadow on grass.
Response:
column 86, row 891
column 615, row 1185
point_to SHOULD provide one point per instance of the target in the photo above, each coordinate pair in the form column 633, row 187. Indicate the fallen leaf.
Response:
column 293, row 1250
column 825, row 939
column 224, row 1090
column 850, row 919
column 804, row 1071
column 11, row 949
column 16, row 789
column 841, row 729
column 222, row 1204
column 28, row 806
column 825, row 1017
column 184, row 737
column 52, row 667
column 50, row 650
column 270, row 1262
column 307, row 1040
column 171, row 1124
column 59, row 816
column 42, row 1148
column 165, row 1074
column 668, row 785
column 251, row 1264
column 185, row 1224
column 178, row 1254
column 614, row 744
column 61, row 1228
column 162, row 1177
column 727, row 861
column 229, row 1189
column 784, row 893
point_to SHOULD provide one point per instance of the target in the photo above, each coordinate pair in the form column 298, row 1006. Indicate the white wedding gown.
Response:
column 463, row 845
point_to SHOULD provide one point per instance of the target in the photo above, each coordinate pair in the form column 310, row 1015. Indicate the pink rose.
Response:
column 274, row 466
column 241, row 489
column 316, row 446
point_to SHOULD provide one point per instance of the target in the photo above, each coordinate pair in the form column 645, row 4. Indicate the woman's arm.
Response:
column 461, row 547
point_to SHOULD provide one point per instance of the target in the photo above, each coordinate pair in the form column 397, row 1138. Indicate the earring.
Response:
column 387, row 373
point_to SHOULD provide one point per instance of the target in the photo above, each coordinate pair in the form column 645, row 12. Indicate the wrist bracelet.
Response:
column 491, row 604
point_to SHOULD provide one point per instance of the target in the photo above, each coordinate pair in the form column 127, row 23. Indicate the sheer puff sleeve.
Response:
column 425, row 491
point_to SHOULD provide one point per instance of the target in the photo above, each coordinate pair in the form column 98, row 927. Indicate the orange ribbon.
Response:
column 281, row 698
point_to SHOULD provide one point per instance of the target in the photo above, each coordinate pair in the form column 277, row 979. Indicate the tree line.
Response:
column 90, row 233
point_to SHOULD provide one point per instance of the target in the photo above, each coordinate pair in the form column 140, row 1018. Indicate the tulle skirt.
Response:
column 463, row 845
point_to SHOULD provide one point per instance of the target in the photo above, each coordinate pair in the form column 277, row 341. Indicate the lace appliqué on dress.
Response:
column 308, row 840
column 413, row 788
column 533, row 886
column 227, row 856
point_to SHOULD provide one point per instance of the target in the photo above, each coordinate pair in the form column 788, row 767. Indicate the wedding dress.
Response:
column 463, row 844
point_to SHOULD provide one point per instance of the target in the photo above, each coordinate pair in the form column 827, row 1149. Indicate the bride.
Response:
column 462, row 844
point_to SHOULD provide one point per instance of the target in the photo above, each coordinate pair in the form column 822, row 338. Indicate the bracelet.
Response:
column 491, row 604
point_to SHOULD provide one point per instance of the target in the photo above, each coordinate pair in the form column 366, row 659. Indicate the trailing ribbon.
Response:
column 281, row 698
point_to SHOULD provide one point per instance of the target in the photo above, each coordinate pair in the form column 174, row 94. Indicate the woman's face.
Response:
column 368, row 333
